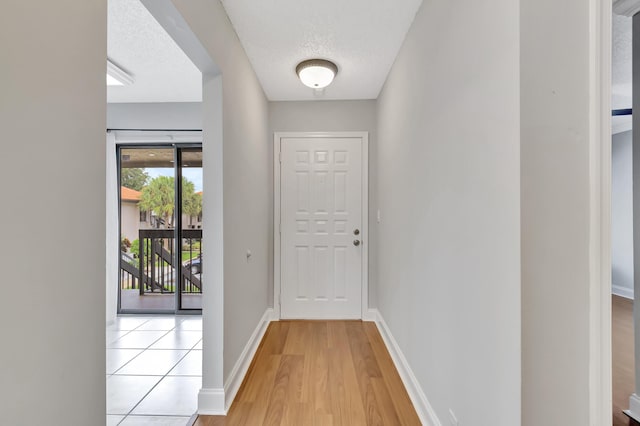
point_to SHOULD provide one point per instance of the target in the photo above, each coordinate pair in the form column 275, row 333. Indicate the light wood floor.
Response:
column 320, row 373
column 622, row 357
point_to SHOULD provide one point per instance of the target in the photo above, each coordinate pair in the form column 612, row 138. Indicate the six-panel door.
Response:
column 321, row 219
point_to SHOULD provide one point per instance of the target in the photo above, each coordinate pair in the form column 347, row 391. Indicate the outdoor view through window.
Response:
column 156, row 274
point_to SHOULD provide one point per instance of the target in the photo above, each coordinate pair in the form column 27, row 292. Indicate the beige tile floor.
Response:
column 154, row 370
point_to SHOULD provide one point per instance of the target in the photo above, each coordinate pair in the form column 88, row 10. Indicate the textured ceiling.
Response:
column 621, row 75
column 621, row 71
column 139, row 45
column 361, row 36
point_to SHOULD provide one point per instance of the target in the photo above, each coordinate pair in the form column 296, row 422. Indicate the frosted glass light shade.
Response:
column 316, row 73
column 112, row 81
column 116, row 76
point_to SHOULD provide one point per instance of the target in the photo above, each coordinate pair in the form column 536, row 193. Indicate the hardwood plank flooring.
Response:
column 622, row 357
column 320, row 373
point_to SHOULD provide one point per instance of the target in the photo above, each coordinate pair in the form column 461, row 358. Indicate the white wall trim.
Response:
column 277, row 136
column 626, row 7
column 423, row 408
column 622, row 291
column 600, row 21
column 241, row 367
column 211, row 402
column 156, row 136
column 112, row 237
column 114, row 139
column 634, row 407
column 370, row 315
column 213, row 239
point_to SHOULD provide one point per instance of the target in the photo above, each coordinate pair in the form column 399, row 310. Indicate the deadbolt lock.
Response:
column 356, row 232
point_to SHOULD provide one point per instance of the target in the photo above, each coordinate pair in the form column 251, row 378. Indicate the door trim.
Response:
column 277, row 137
column 600, row 359
column 128, row 138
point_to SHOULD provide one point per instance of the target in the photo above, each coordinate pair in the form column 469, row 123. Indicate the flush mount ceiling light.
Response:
column 116, row 76
column 316, row 73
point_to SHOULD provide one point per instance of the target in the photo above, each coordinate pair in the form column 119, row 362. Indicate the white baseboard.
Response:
column 211, row 402
column 232, row 385
column 216, row 402
column 622, row 291
column 425, row 412
column 634, row 407
column 370, row 315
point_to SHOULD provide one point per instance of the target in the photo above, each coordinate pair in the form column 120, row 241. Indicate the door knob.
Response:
column 356, row 232
column 356, row 243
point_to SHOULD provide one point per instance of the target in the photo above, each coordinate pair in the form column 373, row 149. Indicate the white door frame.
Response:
column 277, row 137
column 116, row 138
column 600, row 373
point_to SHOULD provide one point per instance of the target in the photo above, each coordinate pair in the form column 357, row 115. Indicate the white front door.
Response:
column 321, row 227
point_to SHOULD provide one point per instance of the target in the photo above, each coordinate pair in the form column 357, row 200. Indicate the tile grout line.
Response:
column 152, row 388
column 127, row 332
column 142, row 350
column 185, row 355
column 129, row 413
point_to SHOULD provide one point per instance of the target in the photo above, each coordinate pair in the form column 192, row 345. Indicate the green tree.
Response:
column 134, row 178
column 159, row 197
column 191, row 202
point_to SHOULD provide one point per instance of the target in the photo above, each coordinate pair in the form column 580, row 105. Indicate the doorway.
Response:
column 321, row 214
column 160, row 212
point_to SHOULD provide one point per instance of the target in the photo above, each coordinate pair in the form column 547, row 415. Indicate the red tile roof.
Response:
column 128, row 194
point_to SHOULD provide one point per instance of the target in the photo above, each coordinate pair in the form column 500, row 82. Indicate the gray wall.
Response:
column 52, row 180
column 622, row 214
column 556, row 212
column 326, row 116
column 449, row 196
column 150, row 116
column 247, row 187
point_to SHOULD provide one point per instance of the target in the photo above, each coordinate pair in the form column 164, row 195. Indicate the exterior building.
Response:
column 132, row 219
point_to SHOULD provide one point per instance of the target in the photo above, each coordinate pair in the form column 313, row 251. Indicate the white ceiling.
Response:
column 621, row 75
column 139, row 45
column 621, row 71
column 361, row 36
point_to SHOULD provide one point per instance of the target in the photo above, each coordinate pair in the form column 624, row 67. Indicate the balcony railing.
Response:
column 154, row 271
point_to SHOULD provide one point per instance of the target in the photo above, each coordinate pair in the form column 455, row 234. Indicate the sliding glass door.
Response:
column 190, row 173
column 160, row 229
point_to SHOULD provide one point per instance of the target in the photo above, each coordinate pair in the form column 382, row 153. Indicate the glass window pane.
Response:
column 147, row 203
column 191, row 172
